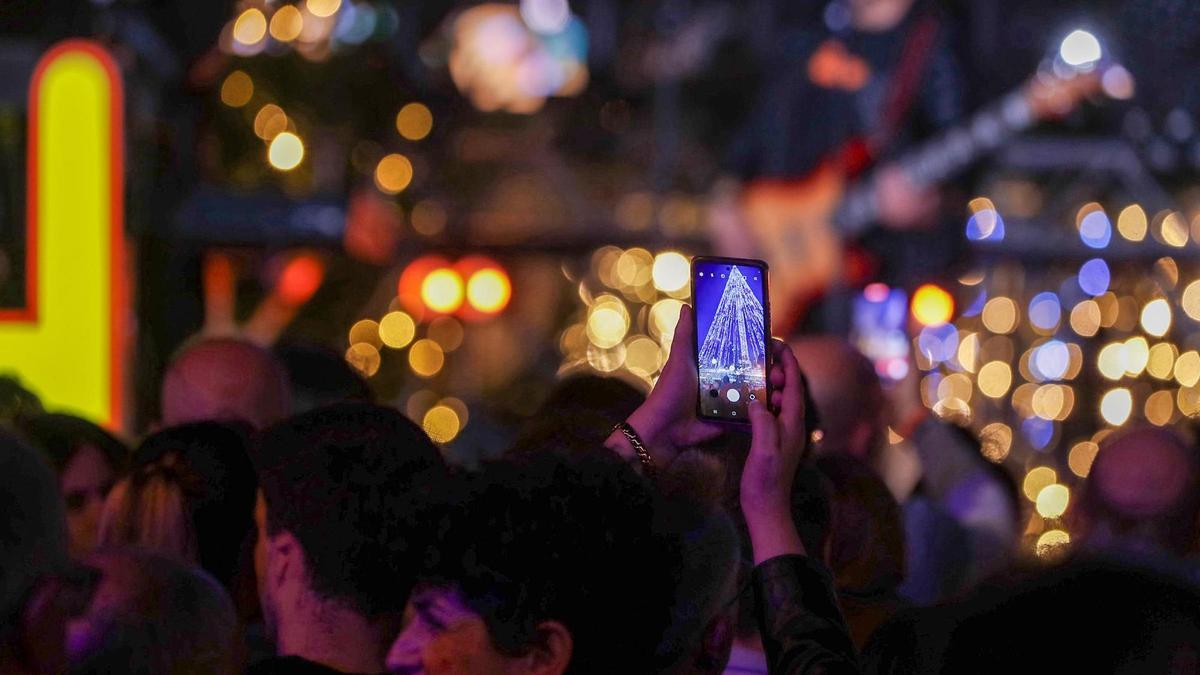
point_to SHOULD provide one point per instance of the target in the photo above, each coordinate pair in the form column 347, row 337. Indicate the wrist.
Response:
column 773, row 538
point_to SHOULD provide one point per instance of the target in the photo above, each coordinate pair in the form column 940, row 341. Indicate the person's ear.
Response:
column 285, row 560
column 552, row 649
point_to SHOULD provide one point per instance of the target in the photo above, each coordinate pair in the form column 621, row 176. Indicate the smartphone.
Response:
column 878, row 330
column 733, row 321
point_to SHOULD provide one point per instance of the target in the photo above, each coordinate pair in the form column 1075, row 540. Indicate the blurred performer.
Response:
column 878, row 75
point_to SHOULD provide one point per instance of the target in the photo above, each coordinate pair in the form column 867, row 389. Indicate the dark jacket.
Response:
column 798, row 617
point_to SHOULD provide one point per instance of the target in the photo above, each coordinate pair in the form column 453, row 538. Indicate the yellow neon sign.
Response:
column 68, row 341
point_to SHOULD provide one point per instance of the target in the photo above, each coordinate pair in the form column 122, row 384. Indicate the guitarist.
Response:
column 877, row 76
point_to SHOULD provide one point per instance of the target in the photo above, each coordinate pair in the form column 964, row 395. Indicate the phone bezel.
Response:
column 745, row 262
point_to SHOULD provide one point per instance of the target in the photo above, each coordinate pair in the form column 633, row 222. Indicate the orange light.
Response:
column 932, row 305
column 489, row 291
column 301, row 277
column 442, row 290
column 412, row 279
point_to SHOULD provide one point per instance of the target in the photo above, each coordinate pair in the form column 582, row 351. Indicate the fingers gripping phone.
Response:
column 732, row 340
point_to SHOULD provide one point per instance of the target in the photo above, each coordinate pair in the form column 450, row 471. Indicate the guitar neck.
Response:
column 941, row 157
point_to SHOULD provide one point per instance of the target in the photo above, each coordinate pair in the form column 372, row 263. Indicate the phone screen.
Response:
column 731, row 336
column 880, row 314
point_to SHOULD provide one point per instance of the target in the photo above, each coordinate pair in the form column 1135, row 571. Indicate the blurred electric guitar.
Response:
column 797, row 225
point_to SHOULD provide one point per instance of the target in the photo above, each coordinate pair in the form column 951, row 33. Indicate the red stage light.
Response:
column 301, row 277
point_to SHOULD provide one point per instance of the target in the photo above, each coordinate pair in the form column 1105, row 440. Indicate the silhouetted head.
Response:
column 1143, row 492
column 847, row 393
column 319, row 376
column 579, row 412
column 190, row 496
column 88, row 461
column 340, row 490
column 152, row 614
column 225, row 378
column 532, row 573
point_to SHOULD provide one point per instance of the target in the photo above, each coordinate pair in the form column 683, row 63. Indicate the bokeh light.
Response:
column 323, row 8
column 643, row 356
column 301, row 277
column 441, row 423
column 1156, row 317
column 442, row 290
column 237, row 89
column 250, row 27
column 995, row 441
column 932, row 305
column 414, row 121
column 1094, row 277
column 985, row 223
column 286, row 151
column 1079, row 48
column 489, row 290
column 1045, row 311
column 1190, row 300
column 397, row 329
column 287, row 23
column 365, row 331
column 1161, row 361
column 1085, row 318
column 1051, row 360
column 1095, row 230
column 671, row 271
column 447, row 332
column 426, row 357
column 1080, row 459
column 1132, row 223
column 608, row 322
column 1052, row 544
column 1137, row 355
column 1000, row 315
column 1052, row 500
column 1187, row 369
column 428, row 217
column 270, row 121
column 364, row 358
column 1160, row 408
column 1116, row 406
column 1037, row 480
column 393, row 173
column 995, row 377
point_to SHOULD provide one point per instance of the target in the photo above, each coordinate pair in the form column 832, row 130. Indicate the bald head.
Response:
column 224, row 378
column 1142, row 490
column 847, row 393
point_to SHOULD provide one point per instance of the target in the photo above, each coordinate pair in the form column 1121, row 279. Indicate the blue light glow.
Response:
column 1095, row 229
column 938, row 343
column 1045, row 311
column 1051, row 360
column 1038, row 432
column 1094, row 277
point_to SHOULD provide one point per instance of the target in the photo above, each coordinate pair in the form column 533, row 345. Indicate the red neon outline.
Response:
column 117, row 285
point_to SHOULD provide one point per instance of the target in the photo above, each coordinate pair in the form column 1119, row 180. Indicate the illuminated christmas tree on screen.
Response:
column 734, row 342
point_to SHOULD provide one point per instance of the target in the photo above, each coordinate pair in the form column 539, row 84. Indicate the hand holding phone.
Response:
column 733, row 352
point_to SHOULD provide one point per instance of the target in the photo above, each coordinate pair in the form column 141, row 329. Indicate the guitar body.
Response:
column 791, row 224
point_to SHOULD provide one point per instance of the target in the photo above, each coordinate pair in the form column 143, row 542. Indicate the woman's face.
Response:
column 442, row 636
column 85, row 483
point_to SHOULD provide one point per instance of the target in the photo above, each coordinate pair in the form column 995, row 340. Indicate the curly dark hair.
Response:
column 542, row 536
column 345, row 481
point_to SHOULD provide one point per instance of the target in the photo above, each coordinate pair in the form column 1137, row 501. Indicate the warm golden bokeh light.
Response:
column 995, row 377
column 287, row 23
column 1131, row 223
column 426, row 357
column 1116, row 406
column 442, row 290
column 237, row 89
column 414, row 121
column 1036, row 480
column 441, row 423
column 634, row 268
column 1085, row 318
column 1160, row 407
column 1000, row 315
column 323, row 8
column 1161, row 362
column 968, row 352
column 995, row 441
column 671, row 271
column 286, row 151
column 1137, row 355
column 1190, row 301
column 1187, row 369
column 932, row 305
column 1052, row 500
column 250, row 27
column 397, row 329
column 366, row 331
column 664, row 314
column 1111, row 360
column 643, row 356
column 608, row 322
column 606, row 360
column 1156, row 317
column 393, row 173
column 1081, row 457
column 364, row 358
column 489, row 290
column 1174, row 229
column 1052, row 544
column 270, row 121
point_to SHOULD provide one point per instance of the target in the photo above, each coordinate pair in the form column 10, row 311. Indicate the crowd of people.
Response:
column 267, row 527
